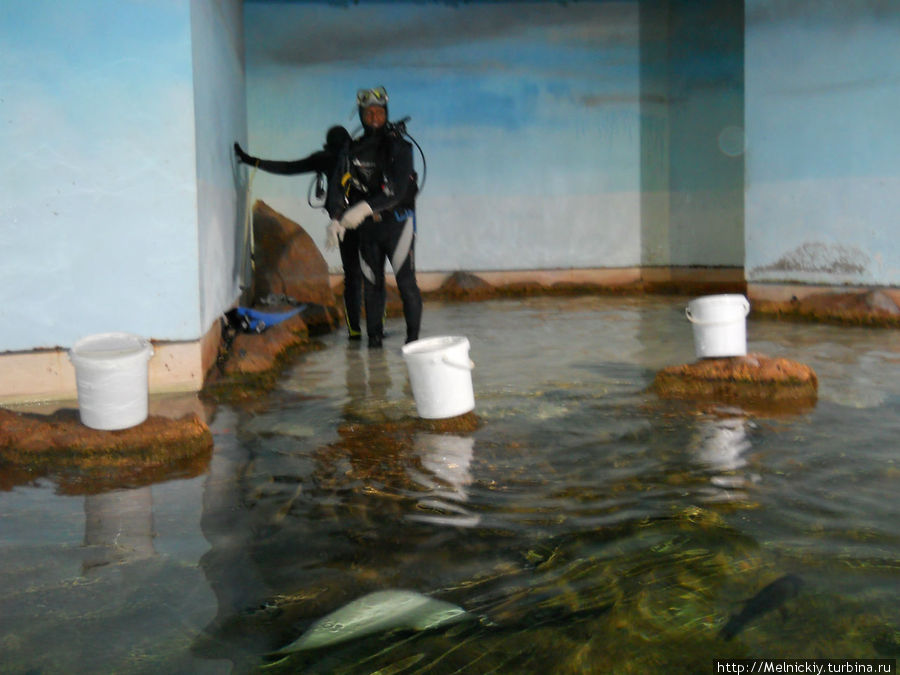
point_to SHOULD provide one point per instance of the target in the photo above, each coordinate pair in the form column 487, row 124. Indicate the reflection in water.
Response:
column 118, row 527
column 102, row 583
column 721, row 445
column 229, row 567
column 367, row 376
column 445, row 461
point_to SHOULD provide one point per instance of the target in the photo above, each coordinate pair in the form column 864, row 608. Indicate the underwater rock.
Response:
column 750, row 379
column 376, row 613
column 89, row 460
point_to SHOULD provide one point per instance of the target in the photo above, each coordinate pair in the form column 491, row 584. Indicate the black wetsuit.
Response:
column 382, row 173
column 329, row 162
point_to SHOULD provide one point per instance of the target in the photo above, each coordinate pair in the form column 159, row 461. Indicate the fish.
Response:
column 770, row 597
column 377, row 612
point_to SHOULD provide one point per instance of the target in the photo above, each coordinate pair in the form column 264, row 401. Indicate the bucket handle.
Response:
column 462, row 366
column 687, row 313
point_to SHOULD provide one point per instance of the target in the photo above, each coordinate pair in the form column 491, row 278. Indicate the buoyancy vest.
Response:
column 378, row 167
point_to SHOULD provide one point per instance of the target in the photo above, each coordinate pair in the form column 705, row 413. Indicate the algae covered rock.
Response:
column 752, row 379
column 874, row 307
column 87, row 460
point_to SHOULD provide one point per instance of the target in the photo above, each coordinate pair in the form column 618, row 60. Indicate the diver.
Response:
column 328, row 162
column 380, row 190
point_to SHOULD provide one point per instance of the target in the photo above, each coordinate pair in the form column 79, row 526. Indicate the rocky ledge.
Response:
column 249, row 364
column 755, row 380
column 873, row 308
column 89, row 460
column 465, row 286
column 289, row 269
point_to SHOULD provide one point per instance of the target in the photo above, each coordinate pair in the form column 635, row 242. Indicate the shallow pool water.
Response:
column 585, row 525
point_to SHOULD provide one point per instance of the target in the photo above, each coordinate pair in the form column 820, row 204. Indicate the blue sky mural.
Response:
column 539, row 94
column 527, row 112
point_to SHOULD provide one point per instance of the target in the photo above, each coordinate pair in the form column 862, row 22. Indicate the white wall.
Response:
column 528, row 114
column 823, row 190
column 97, row 172
column 118, row 206
column 220, row 118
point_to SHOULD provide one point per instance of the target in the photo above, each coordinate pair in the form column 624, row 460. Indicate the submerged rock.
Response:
column 755, row 378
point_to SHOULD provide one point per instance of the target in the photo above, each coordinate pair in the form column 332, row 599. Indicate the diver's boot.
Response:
column 375, row 341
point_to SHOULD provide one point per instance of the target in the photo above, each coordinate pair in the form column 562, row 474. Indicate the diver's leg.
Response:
column 353, row 280
column 403, row 264
column 371, row 259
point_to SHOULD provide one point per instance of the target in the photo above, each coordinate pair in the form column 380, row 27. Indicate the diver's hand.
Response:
column 355, row 215
column 335, row 235
column 243, row 156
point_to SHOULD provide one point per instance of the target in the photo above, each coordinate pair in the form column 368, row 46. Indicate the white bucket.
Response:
column 440, row 374
column 111, row 376
column 720, row 325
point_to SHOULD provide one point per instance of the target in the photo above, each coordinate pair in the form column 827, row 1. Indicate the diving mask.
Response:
column 367, row 97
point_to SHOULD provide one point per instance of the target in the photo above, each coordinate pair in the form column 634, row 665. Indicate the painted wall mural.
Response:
column 823, row 160
column 528, row 114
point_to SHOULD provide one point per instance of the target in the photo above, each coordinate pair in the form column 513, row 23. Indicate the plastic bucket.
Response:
column 440, row 374
column 720, row 325
column 111, row 377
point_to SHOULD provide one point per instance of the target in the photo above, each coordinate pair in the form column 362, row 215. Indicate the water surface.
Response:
column 585, row 525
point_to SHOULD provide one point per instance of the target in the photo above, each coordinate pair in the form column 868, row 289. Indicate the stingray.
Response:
column 378, row 612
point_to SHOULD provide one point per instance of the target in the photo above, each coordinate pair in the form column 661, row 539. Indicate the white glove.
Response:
column 335, row 235
column 355, row 215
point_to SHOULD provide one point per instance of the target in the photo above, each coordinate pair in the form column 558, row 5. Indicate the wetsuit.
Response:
column 381, row 173
column 328, row 162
